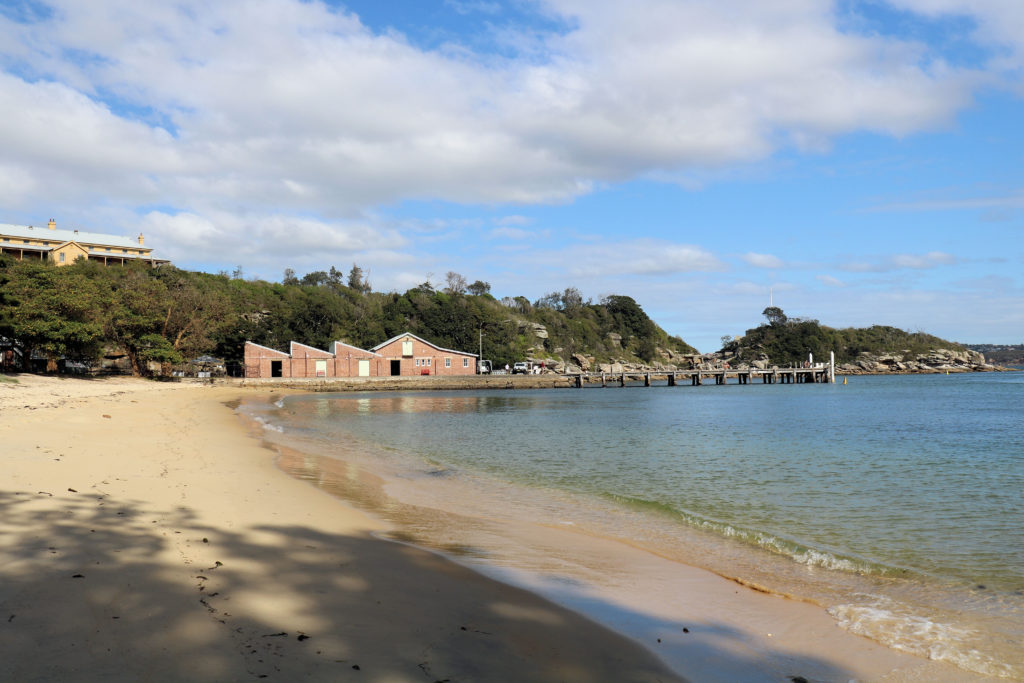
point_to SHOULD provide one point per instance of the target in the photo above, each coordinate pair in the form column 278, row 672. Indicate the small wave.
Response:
column 268, row 426
column 888, row 623
column 794, row 551
column 811, row 557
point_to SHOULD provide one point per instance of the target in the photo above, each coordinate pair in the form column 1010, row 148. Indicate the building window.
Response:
column 61, row 257
column 427, row 361
column 447, row 362
column 417, row 362
column 465, row 362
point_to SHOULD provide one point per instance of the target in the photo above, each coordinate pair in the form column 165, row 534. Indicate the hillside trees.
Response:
column 164, row 316
column 50, row 312
column 787, row 341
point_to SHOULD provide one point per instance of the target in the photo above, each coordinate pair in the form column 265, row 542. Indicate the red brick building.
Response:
column 408, row 354
column 404, row 355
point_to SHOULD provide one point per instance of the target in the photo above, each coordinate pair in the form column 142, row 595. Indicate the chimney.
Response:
column 142, row 240
column 53, row 224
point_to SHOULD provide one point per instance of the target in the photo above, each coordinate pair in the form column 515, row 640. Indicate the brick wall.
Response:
column 426, row 358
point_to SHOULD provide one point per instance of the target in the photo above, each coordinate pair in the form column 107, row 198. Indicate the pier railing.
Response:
column 808, row 374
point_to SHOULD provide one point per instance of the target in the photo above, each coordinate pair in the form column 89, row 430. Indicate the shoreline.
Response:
column 196, row 553
column 499, row 382
column 707, row 626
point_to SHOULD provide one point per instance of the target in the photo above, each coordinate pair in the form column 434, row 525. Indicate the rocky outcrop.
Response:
column 536, row 329
column 584, row 362
column 935, row 360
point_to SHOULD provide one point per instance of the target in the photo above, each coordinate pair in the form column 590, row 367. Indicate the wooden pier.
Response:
column 816, row 374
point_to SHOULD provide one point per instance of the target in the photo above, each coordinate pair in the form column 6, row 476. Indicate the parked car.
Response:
column 521, row 368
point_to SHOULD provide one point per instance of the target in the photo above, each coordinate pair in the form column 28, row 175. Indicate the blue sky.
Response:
column 861, row 160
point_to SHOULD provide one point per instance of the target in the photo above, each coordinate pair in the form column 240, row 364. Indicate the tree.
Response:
column 552, row 300
column 356, row 281
column 289, row 277
column 572, row 299
column 456, row 284
column 195, row 311
column 135, row 309
column 775, row 316
column 315, row 279
column 51, row 310
column 479, row 288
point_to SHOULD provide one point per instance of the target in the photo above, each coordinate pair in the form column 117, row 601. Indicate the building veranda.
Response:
column 64, row 247
column 404, row 355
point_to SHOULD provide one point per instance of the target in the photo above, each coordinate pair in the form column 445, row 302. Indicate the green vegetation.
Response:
column 787, row 341
column 164, row 316
column 1000, row 354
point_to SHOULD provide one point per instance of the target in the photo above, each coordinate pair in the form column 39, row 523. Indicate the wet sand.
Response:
column 145, row 533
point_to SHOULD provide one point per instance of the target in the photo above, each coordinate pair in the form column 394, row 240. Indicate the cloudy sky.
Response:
column 862, row 160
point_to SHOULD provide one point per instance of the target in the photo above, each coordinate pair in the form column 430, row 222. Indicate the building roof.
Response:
column 79, row 236
column 291, row 349
column 354, row 348
column 410, row 334
column 282, row 354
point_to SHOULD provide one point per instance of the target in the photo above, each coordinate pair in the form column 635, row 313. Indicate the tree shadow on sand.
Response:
column 92, row 587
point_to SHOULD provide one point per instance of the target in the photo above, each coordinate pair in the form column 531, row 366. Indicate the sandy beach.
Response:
column 146, row 534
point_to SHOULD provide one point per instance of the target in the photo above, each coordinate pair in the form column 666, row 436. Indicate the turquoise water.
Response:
column 896, row 502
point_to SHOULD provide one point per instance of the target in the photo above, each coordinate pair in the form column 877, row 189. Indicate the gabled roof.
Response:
column 410, row 334
column 291, row 349
column 354, row 348
column 283, row 354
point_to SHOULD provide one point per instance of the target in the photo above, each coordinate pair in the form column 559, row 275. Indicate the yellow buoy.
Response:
column 844, row 380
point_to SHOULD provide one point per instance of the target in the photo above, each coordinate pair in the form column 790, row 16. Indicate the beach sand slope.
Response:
column 145, row 535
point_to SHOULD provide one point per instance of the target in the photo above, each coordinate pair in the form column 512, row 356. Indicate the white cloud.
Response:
column 998, row 23
column 514, row 220
column 638, row 257
column 932, row 259
column 227, row 237
column 830, row 281
column 1012, row 200
column 511, row 233
column 326, row 114
column 763, row 260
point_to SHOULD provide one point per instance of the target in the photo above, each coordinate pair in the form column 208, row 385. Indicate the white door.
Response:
column 364, row 368
column 321, row 368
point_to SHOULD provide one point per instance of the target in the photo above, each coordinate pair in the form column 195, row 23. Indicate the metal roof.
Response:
column 58, row 235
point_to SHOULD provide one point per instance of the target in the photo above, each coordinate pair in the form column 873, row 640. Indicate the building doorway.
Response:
column 275, row 368
column 364, row 368
column 396, row 368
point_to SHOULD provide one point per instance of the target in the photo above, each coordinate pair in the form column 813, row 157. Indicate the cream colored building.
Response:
column 64, row 247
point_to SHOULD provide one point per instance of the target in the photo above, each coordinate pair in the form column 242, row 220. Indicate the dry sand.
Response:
column 145, row 534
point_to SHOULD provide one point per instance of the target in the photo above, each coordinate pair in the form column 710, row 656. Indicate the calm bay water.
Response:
column 895, row 502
